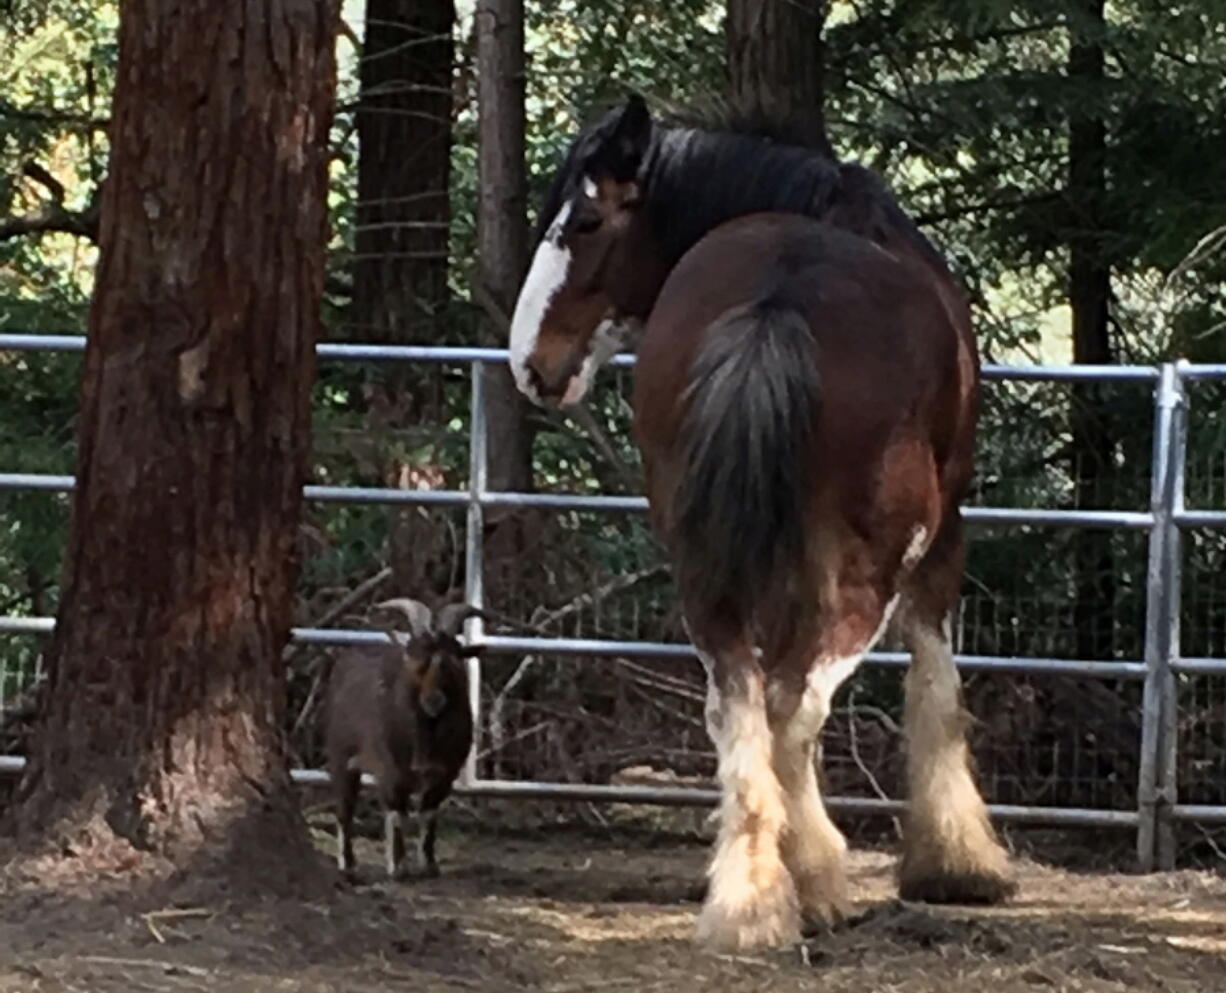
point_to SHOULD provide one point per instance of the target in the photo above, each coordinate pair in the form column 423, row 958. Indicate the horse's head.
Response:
column 596, row 272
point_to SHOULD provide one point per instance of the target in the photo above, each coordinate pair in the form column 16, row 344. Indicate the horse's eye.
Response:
column 587, row 223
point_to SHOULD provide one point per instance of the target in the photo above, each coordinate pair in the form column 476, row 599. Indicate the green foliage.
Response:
column 965, row 107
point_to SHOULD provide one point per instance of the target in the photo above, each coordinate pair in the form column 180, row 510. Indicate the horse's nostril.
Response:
column 544, row 387
column 535, row 379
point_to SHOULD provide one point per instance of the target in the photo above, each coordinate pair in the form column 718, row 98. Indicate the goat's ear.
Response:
column 621, row 151
column 433, row 703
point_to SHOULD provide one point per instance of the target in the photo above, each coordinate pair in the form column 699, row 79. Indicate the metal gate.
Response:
column 1157, row 808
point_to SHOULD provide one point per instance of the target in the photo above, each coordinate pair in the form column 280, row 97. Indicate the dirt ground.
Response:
column 555, row 911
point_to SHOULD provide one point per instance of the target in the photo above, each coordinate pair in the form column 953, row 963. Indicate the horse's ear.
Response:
column 625, row 144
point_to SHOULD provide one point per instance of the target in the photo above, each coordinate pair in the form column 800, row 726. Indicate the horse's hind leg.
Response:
column 751, row 901
column 799, row 702
column 813, row 849
column 950, row 852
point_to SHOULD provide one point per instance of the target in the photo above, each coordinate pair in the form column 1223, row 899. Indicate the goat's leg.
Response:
column 347, row 782
column 427, row 828
column 396, row 805
column 950, row 852
column 751, row 900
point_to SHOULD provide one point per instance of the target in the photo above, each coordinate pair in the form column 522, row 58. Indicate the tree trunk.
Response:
column 400, row 290
column 502, row 225
column 1093, row 441
column 160, row 742
column 776, row 63
column 404, row 167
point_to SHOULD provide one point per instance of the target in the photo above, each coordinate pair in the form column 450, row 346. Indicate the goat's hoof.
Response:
column 430, row 871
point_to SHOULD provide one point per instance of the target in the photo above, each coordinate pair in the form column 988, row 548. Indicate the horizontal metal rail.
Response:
column 677, row 651
column 1192, row 519
column 984, row 516
column 1200, row 813
column 1200, row 371
column 1200, row 667
column 345, row 352
column 677, row 796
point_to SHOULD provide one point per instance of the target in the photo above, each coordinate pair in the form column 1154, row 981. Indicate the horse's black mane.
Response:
column 760, row 163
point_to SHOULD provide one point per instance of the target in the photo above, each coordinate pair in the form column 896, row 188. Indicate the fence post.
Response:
column 1158, row 613
column 474, row 555
column 1168, row 756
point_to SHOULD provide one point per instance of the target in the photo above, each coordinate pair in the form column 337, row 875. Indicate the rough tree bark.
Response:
column 404, row 166
column 502, row 223
column 776, row 61
column 1093, row 440
column 160, row 741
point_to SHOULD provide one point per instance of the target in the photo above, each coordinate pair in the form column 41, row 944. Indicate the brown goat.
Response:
column 400, row 713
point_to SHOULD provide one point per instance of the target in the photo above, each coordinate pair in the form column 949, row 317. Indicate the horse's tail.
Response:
column 740, row 536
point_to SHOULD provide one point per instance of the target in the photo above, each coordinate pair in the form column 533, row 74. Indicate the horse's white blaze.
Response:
column 548, row 273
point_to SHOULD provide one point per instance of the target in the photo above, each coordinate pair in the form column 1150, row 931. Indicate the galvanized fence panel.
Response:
column 1160, row 674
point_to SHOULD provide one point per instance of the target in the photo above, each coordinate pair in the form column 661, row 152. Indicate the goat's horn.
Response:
column 451, row 617
column 417, row 613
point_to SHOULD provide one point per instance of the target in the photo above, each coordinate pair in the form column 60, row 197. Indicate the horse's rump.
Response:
column 787, row 371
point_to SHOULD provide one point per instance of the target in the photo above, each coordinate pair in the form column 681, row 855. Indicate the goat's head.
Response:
column 435, row 652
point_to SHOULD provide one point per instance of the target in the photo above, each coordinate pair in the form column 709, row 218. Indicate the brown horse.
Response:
column 805, row 400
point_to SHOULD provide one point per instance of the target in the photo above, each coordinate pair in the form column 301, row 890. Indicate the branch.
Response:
column 15, row 113
column 52, row 216
column 32, row 170
column 854, row 748
column 541, row 617
column 351, row 599
column 346, row 31
column 978, row 208
column 1004, row 33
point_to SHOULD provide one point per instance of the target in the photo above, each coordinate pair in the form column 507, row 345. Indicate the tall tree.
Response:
column 162, row 728
column 502, row 223
column 1089, row 294
column 400, row 284
column 404, row 162
column 775, row 61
